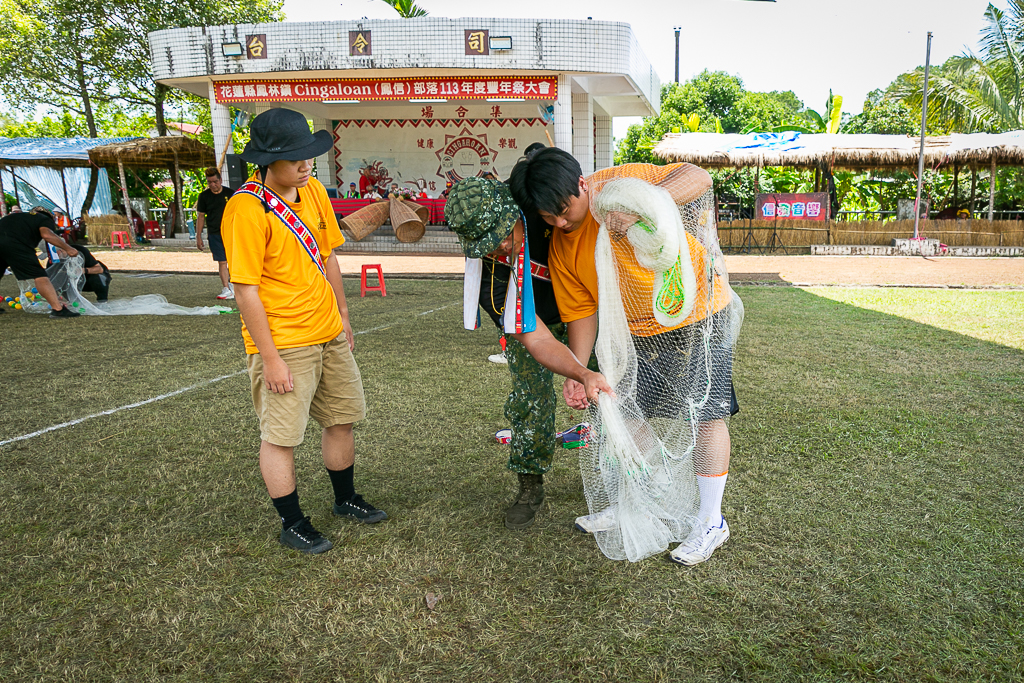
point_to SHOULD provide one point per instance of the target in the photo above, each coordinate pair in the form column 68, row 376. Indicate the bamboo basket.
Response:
column 359, row 224
column 408, row 225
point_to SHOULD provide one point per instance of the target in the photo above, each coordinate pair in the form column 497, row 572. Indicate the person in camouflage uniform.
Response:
column 492, row 228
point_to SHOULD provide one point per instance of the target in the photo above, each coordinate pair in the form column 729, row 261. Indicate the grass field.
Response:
column 874, row 498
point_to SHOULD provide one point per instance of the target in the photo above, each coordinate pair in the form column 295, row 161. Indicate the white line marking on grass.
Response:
column 171, row 394
column 161, row 397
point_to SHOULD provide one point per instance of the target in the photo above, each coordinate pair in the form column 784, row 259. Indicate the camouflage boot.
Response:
column 527, row 503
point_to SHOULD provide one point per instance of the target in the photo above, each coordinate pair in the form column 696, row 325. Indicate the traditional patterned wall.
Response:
column 425, row 153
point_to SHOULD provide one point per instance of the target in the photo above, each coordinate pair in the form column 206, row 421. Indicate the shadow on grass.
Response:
column 873, row 498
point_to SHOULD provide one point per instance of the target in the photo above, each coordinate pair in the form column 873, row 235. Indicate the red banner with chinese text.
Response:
column 389, row 89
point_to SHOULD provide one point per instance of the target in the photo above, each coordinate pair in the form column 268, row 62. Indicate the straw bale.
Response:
column 98, row 228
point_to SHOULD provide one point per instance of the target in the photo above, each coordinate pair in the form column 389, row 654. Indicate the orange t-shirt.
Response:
column 300, row 303
column 573, row 269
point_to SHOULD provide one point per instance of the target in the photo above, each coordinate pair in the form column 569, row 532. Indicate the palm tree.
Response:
column 972, row 93
column 407, row 9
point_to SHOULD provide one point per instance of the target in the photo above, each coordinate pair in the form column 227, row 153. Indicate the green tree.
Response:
column 131, row 21
column 710, row 94
column 407, row 9
column 55, row 53
column 720, row 104
column 885, row 116
column 975, row 93
column 757, row 111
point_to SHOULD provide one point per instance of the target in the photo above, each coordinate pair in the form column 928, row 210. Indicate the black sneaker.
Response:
column 303, row 537
column 65, row 312
column 359, row 510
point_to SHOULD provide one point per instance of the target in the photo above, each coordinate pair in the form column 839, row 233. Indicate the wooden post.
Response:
column 127, row 202
column 3, row 195
column 956, row 185
column 17, row 197
column 974, row 186
column 992, row 191
column 64, row 184
column 180, row 219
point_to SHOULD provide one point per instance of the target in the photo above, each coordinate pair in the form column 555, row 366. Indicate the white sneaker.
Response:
column 696, row 551
column 226, row 293
column 498, row 358
column 599, row 521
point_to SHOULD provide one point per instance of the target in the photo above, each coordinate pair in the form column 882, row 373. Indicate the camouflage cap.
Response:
column 482, row 213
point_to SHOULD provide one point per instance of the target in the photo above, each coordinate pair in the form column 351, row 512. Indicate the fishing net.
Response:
column 668, row 323
column 68, row 277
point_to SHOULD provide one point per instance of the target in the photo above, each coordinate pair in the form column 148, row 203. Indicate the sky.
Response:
column 807, row 46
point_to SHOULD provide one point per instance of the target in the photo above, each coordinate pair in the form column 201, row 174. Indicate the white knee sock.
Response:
column 712, row 489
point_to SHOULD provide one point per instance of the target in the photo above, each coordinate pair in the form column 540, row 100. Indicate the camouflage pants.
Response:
column 531, row 408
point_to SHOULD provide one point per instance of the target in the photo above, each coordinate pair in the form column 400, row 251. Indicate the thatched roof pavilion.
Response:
column 155, row 153
column 173, row 152
column 841, row 152
column 847, row 152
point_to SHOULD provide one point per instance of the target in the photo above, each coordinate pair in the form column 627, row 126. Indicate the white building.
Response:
column 426, row 100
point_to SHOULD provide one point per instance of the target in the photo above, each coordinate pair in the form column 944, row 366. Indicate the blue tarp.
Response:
column 41, row 186
column 50, row 151
column 32, row 160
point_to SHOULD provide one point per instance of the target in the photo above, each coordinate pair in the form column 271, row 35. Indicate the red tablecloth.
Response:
column 346, row 206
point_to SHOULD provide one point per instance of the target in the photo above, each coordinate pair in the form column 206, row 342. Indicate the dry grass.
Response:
column 100, row 227
column 873, row 496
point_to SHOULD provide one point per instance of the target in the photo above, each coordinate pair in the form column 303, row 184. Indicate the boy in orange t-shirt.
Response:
column 279, row 233
column 551, row 182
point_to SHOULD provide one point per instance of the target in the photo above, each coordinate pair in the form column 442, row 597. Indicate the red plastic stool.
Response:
column 119, row 238
column 363, row 288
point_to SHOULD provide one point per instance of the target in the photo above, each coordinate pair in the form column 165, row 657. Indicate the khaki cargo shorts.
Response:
column 328, row 387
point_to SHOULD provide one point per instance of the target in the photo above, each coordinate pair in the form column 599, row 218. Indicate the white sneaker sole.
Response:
column 697, row 556
column 597, row 522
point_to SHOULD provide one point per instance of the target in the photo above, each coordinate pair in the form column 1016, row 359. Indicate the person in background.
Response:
column 138, row 225
column 447, row 189
column 97, row 275
column 373, row 194
column 209, row 212
column 394, row 192
column 352, row 193
column 19, row 235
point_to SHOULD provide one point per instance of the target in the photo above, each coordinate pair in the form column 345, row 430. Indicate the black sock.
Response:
column 341, row 480
column 288, row 508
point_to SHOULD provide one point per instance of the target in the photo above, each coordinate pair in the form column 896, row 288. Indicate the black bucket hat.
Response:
column 482, row 213
column 283, row 134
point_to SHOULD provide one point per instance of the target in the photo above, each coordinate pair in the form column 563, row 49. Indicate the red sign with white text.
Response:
column 389, row 89
column 804, row 206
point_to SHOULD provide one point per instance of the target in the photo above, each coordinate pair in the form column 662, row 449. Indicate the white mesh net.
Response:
column 68, row 277
column 668, row 323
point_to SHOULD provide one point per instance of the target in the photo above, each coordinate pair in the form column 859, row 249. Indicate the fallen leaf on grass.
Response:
column 432, row 600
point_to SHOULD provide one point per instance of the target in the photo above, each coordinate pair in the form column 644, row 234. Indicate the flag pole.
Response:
column 920, row 160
